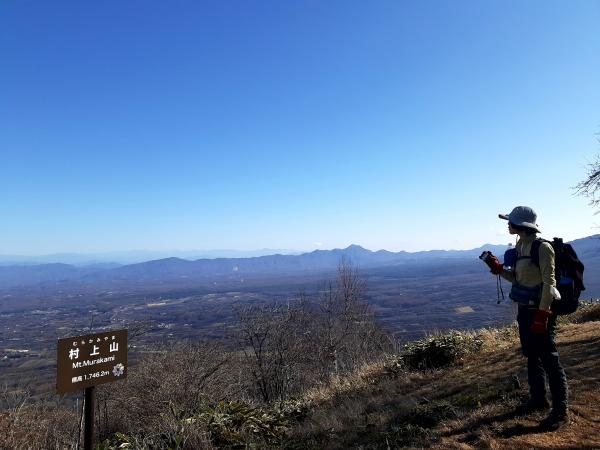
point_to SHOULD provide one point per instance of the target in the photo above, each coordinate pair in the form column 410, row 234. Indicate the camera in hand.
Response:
column 485, row 256
column 492, row 262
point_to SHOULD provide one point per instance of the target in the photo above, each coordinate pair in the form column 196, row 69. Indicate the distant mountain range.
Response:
column 173, row 269
column 115, row 259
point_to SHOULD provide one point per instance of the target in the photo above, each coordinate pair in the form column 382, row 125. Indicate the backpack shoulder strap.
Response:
column 535, row 251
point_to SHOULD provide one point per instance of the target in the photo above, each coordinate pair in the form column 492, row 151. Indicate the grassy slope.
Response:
column 462, row 407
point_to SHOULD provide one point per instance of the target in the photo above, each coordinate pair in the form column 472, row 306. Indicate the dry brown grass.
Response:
column 38, row 426
column 464, row 407
column 381, row 406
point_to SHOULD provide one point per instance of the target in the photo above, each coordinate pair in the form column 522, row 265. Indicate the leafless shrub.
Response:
column 289, row 348
column 347, row 334
column 177, row 379
column 274, row 343
column 39, row 425
column 12, row 399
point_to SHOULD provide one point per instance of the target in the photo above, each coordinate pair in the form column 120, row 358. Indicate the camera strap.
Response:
column 499, row 290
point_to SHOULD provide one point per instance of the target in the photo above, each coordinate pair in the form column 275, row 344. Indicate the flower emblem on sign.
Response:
column 118, row 370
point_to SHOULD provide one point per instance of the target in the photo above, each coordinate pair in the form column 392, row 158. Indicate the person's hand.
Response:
column 495, row 266
column 540, row 321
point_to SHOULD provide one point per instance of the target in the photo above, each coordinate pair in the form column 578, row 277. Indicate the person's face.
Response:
column 511, row 230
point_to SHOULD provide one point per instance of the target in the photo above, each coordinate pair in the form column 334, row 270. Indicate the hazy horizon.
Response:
column 138, row 254
column 222, row 253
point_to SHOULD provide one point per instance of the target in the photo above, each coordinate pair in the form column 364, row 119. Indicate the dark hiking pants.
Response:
column 542, row 361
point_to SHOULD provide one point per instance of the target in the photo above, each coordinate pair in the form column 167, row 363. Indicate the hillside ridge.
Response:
column 468, row 405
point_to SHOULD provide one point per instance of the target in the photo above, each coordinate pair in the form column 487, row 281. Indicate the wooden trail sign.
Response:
column 85, row 361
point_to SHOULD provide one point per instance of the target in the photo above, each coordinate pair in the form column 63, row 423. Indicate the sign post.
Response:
column 90, row 407
column 83, row 362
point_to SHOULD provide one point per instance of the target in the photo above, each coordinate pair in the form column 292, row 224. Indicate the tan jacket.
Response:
column 526, row 273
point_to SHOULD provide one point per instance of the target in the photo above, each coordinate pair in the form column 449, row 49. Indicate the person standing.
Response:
column 534, row 289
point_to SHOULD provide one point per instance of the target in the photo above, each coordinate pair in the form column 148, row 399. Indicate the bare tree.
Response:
column 347, row 329
column 590, row 187
column 272, row 339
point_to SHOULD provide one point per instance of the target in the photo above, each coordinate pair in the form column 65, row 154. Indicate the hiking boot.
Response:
column 555, row 420
column 532, row 406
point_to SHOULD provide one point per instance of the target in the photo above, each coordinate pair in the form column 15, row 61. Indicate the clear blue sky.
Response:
column 293, row 124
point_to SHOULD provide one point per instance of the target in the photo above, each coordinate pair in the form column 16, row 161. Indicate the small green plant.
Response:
column 123, row 441
column 429, row 415
column 441, row 350
column 405, row 435
column 468, row 401
column 479, row 394
column 293, row 409
column 394, row 366
column 235, row 423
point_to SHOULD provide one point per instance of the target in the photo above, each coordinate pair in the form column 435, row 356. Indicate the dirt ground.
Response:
column 370, row 410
